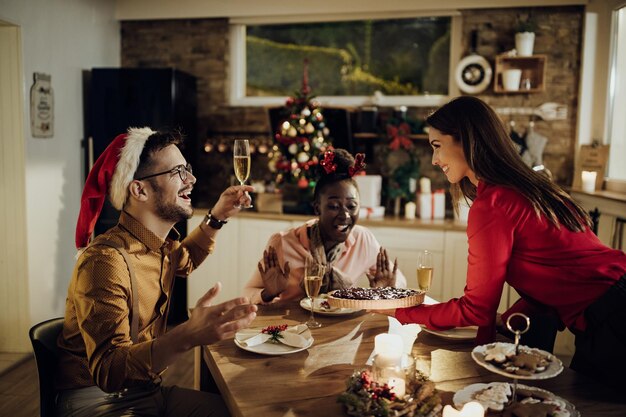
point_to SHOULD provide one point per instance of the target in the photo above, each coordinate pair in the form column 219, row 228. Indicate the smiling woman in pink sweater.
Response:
column 526, row 231
column 333, row 239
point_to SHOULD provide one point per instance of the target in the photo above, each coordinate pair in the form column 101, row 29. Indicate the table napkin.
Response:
column 408, row 333
column 447, row 365
column 291, row 337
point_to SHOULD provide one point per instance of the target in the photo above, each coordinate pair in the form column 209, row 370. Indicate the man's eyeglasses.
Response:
column 181, row 170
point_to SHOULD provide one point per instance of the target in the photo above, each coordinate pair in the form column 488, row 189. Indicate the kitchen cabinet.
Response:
column 240, row 245
column 404, row 245
column 221, row 265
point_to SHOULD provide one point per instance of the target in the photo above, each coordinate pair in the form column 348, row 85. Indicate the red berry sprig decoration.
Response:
column 275, row 332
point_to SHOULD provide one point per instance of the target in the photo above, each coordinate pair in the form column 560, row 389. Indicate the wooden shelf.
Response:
column 533, row 69
column 373, row 136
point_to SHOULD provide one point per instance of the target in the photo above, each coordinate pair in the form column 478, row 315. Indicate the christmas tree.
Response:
column 300, row 138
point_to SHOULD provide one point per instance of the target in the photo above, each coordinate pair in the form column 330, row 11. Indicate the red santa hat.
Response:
column 111, row 174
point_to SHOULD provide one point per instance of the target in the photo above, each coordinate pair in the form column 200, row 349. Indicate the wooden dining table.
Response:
column 307, row 383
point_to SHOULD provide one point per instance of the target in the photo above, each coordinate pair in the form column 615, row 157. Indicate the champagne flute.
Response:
column 313, row 275
column 241, row 162
column 424, row 270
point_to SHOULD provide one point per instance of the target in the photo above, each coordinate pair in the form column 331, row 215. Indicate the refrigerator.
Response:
column 118, row 98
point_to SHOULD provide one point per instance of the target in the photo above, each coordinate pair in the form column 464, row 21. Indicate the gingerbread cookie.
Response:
column 526, row 393
column 530, row 361
column 529, row 410
column 499, row 352
column 495, row 397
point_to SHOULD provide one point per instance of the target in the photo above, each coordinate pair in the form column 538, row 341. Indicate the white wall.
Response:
column 61, row 38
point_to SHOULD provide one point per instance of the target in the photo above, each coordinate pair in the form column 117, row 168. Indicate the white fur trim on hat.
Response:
column 127, row 164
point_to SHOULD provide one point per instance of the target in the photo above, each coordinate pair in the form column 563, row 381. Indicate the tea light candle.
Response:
column 589, row 181
column 398, row 386
column 470, row 409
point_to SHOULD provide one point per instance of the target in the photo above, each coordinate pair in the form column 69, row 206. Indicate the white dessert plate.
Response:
column 468, row 393
column 458, row 333
column 554, row 367
column 270, row 348
column 305, row 303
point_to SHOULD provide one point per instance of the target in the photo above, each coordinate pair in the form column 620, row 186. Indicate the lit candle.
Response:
column 386, row 366
column 470, row 409
column 589, row 181
column 388, row 346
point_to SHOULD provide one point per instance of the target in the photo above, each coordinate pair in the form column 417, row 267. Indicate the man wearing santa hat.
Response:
column 114, row 345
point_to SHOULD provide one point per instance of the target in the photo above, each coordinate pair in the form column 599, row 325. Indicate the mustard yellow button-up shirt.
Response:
column 95, row 346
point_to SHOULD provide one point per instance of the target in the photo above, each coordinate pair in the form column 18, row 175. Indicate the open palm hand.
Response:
column 382, row 275
column 274, row 277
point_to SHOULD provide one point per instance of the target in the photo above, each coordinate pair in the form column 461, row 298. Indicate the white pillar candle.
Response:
column 388, row 346
column 424, row 185
column 409, row 210
column 589, row 181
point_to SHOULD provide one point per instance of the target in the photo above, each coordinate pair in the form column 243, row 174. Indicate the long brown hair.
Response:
column 490, row 153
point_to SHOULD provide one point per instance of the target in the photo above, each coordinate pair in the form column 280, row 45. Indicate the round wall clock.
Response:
column 473, row 74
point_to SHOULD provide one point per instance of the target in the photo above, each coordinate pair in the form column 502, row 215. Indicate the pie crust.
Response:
column 416, row 298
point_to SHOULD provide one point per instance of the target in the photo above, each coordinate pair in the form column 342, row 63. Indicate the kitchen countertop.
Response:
column 388, row 221
column 609, row 195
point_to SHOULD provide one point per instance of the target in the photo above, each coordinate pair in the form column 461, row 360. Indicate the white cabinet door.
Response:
column 455, row 265
column 218, row 266
column 404, row 245
column 253, row 236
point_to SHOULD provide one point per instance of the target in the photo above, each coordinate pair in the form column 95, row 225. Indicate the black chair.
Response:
column 43, row 336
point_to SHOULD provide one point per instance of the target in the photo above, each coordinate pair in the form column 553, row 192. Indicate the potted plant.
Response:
column 525, row 36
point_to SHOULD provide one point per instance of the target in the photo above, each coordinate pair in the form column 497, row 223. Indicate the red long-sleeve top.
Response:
column 548, row 266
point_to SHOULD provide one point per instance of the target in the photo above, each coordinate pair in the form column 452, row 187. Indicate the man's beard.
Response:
column 170, row 212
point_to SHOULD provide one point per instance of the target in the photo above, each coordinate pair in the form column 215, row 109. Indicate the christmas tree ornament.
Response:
column 303, row 182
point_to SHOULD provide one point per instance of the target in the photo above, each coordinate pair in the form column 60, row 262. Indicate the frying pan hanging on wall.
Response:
column 473, row 73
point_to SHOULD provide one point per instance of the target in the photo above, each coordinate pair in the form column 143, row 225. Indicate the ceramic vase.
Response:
column 524, row 43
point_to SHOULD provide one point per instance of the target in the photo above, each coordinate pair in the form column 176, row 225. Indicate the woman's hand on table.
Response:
column 274, row 277
column 381, row 275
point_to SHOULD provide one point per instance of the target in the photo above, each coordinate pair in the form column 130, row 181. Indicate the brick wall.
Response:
column 200, row 47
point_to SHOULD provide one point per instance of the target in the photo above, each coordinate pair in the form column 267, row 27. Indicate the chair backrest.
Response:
column 44, row 336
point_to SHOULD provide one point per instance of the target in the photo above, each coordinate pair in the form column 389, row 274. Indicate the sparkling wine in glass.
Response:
column 313, row 275
column 241, row 162
column 424, row 270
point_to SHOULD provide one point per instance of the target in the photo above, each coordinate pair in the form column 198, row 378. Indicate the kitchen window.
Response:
column 383, row 61
column 616, row 125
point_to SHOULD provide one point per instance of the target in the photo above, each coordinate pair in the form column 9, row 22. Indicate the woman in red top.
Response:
column 526, row 231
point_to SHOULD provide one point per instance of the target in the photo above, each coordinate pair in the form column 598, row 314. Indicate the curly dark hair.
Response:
column 344, row 160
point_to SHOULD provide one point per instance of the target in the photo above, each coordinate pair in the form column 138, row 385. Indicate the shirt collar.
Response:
column 145, row 235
